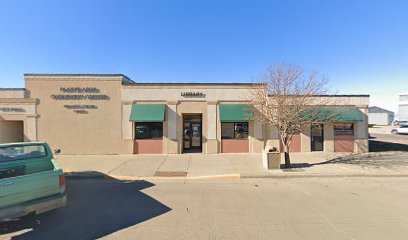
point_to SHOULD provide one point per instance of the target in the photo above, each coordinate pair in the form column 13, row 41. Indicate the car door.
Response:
column 26, row 173
column 404, row 129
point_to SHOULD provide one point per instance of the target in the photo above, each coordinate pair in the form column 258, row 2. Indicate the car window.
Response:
column 19, row 152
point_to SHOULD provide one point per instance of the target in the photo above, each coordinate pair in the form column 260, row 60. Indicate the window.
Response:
column 238, row 130
column 20, row 152
column 345, row 129
column 152, row 130
column 403, row 97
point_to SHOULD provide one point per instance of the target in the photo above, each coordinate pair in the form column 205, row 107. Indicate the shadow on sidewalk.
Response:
column 379, row 146
column 95, row 208
column 374, row 159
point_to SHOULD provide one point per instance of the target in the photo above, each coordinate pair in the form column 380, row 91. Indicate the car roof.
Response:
column 21, row 144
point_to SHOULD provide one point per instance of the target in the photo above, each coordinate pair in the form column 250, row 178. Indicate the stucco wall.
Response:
column 11, row 131
column 178, row 105
column 173, row 92
column 105, row 129
column 360, row 128
column 96, row 132
column 23, row 110
column 12, row 93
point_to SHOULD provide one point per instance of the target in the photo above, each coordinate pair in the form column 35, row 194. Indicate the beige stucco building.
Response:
column 111, row 114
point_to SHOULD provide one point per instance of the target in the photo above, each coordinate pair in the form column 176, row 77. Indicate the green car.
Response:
column 30, row 180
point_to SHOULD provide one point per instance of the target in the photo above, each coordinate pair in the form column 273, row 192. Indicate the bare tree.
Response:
column 290, row 100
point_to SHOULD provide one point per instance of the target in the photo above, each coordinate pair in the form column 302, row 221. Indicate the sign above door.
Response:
column 193, row 94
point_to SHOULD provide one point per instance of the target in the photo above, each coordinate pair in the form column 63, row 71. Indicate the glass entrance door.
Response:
column 192, row 133
column 316, row 137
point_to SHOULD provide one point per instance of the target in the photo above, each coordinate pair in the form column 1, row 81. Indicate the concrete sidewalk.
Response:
column 233, row 166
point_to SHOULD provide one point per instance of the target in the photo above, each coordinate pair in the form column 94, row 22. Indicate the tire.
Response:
column 394, row 131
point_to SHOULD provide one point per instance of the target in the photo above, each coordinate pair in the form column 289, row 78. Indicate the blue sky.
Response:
column 362, row 46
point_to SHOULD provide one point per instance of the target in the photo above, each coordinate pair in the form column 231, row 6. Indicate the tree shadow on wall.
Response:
column 95, row 208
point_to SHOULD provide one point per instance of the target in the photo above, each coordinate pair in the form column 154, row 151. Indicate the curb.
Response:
column 134, row 178
column 84, row 176
column 281, row 176
column 228, row 176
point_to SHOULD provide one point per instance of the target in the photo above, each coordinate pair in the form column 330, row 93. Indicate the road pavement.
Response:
column 393, row 138
column 315, row 208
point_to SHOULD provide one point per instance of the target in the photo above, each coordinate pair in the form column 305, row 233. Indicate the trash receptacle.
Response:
column 271, row 158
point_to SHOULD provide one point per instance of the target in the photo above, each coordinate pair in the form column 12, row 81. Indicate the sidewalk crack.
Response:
column 118, row 166
column 188, row 168
column 161, row 164
column 236, row 170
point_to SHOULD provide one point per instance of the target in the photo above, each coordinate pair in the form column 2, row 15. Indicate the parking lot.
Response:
column 381, row 139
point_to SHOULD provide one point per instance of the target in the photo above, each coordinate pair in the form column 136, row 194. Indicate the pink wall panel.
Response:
column 148, row 146
column 343, row 143
column 295, row 144
column 235, row 146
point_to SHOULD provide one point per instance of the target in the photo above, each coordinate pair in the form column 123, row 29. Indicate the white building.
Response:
column 380, row 116
column 402, row 107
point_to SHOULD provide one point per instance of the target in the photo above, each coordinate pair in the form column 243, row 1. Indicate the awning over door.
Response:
column 236, row 113
column 337, row 114
column 147, row 113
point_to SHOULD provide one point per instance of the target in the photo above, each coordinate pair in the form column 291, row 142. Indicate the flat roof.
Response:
column 127, row 80
column 77, row 74
column 340, row 95
column 188, row 83
column 12, row 89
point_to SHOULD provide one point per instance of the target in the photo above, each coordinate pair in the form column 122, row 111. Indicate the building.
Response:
column 380, row 116
column 111, row 114
column 403, row 107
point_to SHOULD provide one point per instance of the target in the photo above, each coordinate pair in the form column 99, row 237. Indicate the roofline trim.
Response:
column 74, row 74
column 192, row 83
column 12, row 89
column 126, row 79
column 340, row 95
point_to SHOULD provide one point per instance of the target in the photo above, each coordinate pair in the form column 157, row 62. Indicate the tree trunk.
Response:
column 287, row 157
column 287, row 160
column 286, row 143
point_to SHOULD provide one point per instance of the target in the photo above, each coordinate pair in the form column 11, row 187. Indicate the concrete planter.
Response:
column 271, row 160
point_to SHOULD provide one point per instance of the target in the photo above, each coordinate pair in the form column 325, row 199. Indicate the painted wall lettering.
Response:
column 12, row 109
column 80, row 94
column 193, row 94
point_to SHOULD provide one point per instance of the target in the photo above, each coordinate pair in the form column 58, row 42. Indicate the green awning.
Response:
column 147, row 113
column 335, row 114
column 236, row 113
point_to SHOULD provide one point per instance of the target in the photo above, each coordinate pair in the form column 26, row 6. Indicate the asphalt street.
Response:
column 313, row 208
column 390, row 137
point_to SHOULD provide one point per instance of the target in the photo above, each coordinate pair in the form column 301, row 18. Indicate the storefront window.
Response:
column 344, row 129
column 237, row 130
column 149, row 130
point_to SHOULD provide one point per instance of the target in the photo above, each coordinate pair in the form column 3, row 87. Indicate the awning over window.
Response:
column 147, row 113
column 337, row 114
column 236, row 113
